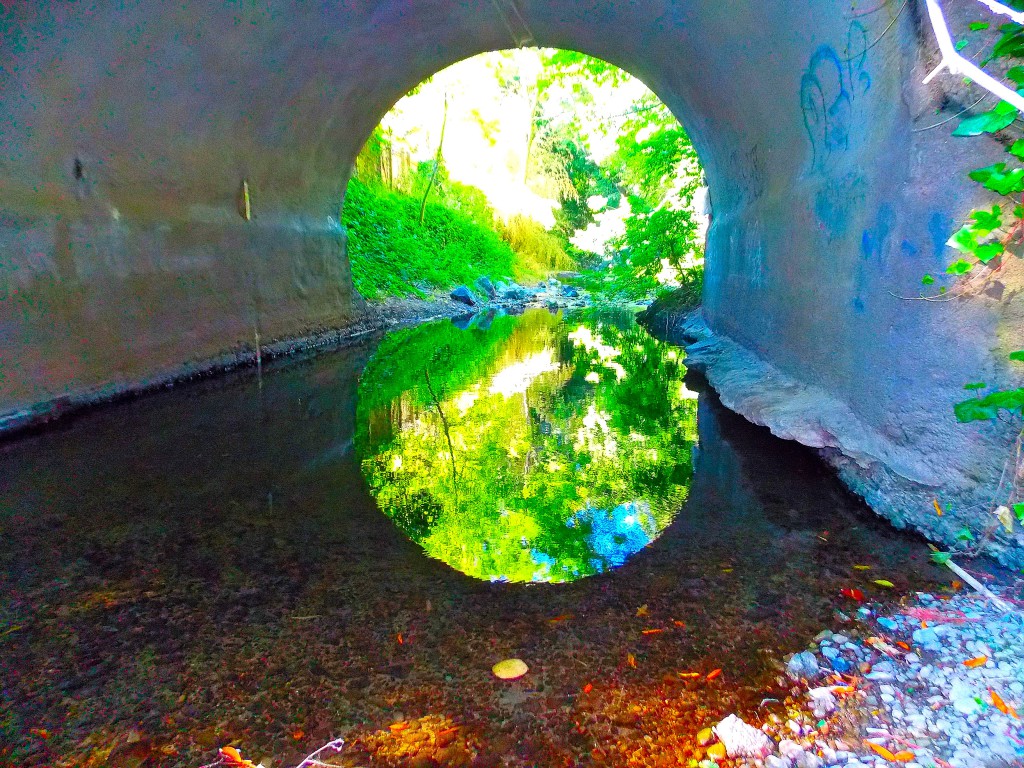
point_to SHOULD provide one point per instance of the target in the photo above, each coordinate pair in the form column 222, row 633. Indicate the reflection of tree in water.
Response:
column 537, row 450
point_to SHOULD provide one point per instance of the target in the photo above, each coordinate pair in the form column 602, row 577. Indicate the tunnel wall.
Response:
column 128, row 128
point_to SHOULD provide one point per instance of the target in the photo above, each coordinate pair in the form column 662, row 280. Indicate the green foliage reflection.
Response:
column 530, row 448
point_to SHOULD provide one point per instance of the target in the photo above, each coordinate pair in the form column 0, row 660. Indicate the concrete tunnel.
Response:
column 127, row 130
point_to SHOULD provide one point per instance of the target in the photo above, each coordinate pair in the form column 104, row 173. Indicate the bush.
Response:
column 392, row 254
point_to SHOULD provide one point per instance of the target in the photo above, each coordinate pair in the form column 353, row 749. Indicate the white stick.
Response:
column 958, row 65
column 995, row 7
column 999, row 603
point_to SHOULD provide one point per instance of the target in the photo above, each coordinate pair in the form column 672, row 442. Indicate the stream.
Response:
column 346, row 545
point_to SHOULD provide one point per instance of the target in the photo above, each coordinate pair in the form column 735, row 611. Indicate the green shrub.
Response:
column 392, row 254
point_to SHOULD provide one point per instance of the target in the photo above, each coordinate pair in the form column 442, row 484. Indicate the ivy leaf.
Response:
column 964, row 240
column 986, row 122
column 1006, row 183
column 961, row 44
column 981, row 175
column 1018, row 510
column 1018, row 356
column 985, row 253
column 977, row 26
column 1016, row 74
column 988, row 407
column 965, row 534
column 987, row 221
column 959, row 267
column 1017, row 149
column 941, row 558
column 974, row 386
column 927, row 280
column 1004, row 108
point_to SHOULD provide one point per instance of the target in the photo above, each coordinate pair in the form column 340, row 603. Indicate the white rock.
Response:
column 742, row 740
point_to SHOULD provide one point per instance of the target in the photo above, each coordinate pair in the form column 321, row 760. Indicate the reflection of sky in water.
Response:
column 614, row 536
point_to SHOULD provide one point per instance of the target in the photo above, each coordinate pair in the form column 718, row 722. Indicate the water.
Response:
column 274, row 566
column 535, row 449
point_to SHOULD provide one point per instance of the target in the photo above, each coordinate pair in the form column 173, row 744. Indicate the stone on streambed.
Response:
column 742, row 740
column 464, row 295
column 484, row 284
column 510, row 669
column 802, row 664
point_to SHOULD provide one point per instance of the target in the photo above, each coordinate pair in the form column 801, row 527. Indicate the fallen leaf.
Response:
column 400, row 640
column 588, row 688
column 1005, row 516
column 862, row 567
column 903, row 645
column 399, row 727
column 714, row 673
column 881, row 751
column 299, row 734
column 704, row 736
column 42, row 733
column 978, row 661
column 853, row 594
column 938, row 509
column 884, row 583
column 679, row 623
column 558, row 619
column 1002, row 706
column 904, row 757
column 631, row 660
column 688, row 675
column 716, row 751
column 651, row 631
column 642, row 610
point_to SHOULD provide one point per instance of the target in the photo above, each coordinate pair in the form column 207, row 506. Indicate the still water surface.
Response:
column 340, row 546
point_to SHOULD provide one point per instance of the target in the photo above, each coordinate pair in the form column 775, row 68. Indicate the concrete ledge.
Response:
column 897, row 481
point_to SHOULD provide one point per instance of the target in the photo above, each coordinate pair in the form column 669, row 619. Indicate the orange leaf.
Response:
column 588, row 688
column 903, row 645
column 938, row 509
column 42, row 733
column 631, row 660
column 714, row 673
column 1002, row 706
column 558, row 619
column 400, row 641
column 679, row 623
column 396, row 727
column 905, row 756
column 978, row 661
column 688, row 674
column 882, row 751
column 650, row 631
column 298, row 734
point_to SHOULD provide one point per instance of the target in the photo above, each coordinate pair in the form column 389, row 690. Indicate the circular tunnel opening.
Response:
column 543, row 436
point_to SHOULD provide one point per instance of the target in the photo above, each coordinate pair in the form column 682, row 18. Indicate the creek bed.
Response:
column 345, row 546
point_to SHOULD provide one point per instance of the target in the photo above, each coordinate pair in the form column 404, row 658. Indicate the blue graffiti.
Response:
column 828, row 89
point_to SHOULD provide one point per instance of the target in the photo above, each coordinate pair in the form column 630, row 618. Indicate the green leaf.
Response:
column 986, row 221
column 964, row 240
column 1017, row 356
column 986, row 122
column 1004, row 108
column 1017, row 149
column 985, row 253
column 977, row 26
column 965, row 534
column 959, row 267
column 974, row 386
column 982, row 175
column 1007, row 183
column 927, row 280
column 988, row 407
column 1016, row 74
column 1018, row 510
column 941, row 558
column 943, row 289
